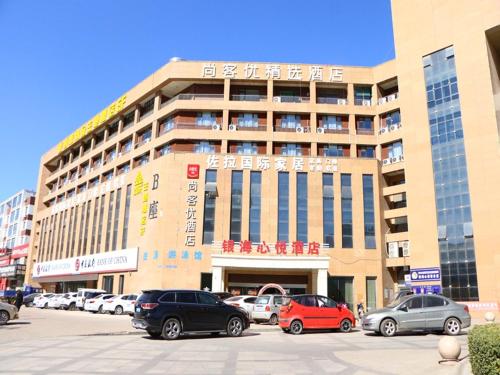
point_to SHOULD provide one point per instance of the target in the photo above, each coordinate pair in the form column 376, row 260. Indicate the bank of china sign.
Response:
column 288, row 72
column 113, row 261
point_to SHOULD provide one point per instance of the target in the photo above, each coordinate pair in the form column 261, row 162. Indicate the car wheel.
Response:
column 29, row 304
column 452, row 327
column 171, row 329
column 46, row 306
column 345, row 326
column 81, row 308
column 273, row 320
column 296, row 327
column 388, row 327
column 4, row 317
column 153, row 334
column 118, row 310
column 72, row 307
column 235, row 327
column 99, row 310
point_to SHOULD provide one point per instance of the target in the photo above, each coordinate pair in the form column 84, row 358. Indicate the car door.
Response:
column 211, row 315
column 189, row 310
column 249, row 304
column 276, row 304
column 328, row 313
column 434, row 312
column 411, row 314
column 309, row 311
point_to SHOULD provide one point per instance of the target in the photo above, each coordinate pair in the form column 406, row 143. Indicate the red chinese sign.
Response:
column 193, row 171
column 279, row 248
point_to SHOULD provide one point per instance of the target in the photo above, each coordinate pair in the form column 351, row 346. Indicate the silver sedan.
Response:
column 7, row 312
column 418, row 312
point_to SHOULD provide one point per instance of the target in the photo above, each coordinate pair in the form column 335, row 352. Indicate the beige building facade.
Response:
column 324, row 179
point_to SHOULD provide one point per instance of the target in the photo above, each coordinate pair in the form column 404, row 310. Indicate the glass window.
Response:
column 110, row 220
column 206, row 119
column 209, row 210
column 126, row 217
column 247, row 148
column 121, row 282
column 283, row 203
column 73, row 237
column 415, row 302
column 328, row 210
column 94, row 226
column 366, row 151
column 248, row 120
column 369, row 211
column 291, row 149
column 206, row 299
column 346, row 206
column 186, row 297
column 371, row 293
column 167, row 297
column 365, row 123
column 433, row 301
column 86, row 228
column 236, row 195
column 302, row 207
column 309, row 301
column 204, row 148
column 290, row 121
column 332, row 122
column 326, row 302
column 255, row 201
column 333, row 150
column 116, row 219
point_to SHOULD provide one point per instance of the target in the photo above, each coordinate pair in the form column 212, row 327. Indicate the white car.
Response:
column 120, row 304
column 246, row 303
column 85, row 293
column 55, row 301
column 69, row 301
column 42, row 301
column 96, row 305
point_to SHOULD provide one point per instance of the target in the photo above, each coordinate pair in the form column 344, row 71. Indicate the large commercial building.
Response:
column 16, row 217
column 346, row 181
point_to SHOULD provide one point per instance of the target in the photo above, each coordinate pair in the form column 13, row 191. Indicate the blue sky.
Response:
column 62, row 61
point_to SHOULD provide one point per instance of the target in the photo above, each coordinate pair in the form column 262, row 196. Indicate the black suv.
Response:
column 168, row 313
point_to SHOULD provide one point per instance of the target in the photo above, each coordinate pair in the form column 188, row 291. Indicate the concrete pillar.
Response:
column 217, row 279
column 322, row 282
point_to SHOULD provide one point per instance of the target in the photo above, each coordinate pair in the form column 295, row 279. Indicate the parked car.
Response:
column 42, row 301
column 308, row 311
column 419, row 312
column 223, row 295
column 84, row 293
column 28, row 300
column 7, row 312
column 55, row 301
column 96, row 305
column 69, row 301
column 246, row 303
column 170, row 313
column 267, row 309
column 120, row 303
column 130, row 307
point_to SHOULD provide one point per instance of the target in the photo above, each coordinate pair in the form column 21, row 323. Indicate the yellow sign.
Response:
column 93, row 124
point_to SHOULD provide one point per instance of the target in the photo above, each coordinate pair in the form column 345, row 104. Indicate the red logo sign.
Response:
column 193, row 171
column 77, row 264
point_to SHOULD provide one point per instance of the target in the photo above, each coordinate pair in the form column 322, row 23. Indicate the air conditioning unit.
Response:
column 401, row 158
column 320, row 130
column 367, row 102
column 386, row 161
column 391, row 97
column 215, row 127
column 393, row 160
column 299, row 129
column 342, row 101
column 406, row 248
column 232, row 128
column 277, row 99
column 382, row 100
column 392, row 128
column 399, row 125
column 382, row 130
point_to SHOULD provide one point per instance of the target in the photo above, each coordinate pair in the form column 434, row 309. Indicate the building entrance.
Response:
column 242, row 283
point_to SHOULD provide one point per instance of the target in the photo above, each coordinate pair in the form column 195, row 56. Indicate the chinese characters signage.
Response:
column 278, row 164
column 191, row 202
column 141, row 189
column 171, row 255
column 425, row 274
column 93, row 124
column 278, row 248
column 290, row 72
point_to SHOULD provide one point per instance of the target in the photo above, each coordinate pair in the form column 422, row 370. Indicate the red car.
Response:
column 309, row 311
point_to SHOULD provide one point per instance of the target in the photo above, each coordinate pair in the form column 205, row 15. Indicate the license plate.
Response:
column 137, row 309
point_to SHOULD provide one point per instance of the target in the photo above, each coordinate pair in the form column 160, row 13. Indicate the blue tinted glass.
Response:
column 236, row 194
column 346, row 206
column 302, row 207
column 283, row 203
column 255, row 202
column 328, row 218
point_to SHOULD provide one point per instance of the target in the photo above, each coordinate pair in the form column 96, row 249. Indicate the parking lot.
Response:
column 64, row 342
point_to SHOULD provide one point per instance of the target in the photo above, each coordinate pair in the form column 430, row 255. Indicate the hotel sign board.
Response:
column 262, row 163
column 113, row 261
column 288, row 72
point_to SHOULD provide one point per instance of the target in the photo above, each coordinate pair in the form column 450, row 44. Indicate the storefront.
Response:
column 69, row 274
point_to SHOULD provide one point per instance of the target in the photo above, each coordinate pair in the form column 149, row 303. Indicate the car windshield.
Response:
column 398, row 301
column 264, row 300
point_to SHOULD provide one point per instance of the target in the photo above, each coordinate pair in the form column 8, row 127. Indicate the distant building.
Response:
column 16, row 216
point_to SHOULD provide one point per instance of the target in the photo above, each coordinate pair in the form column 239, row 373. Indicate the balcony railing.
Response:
column 390, row 128
column 291, row 99
column 329, row 100
column 236, row 127
column 363, row 102
column 365, row 131
column 249, row 98
column 195, row 97
column 189, row 125
column 393, row 160
column 388, row 98
column 298, row 129
column 322, row 130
